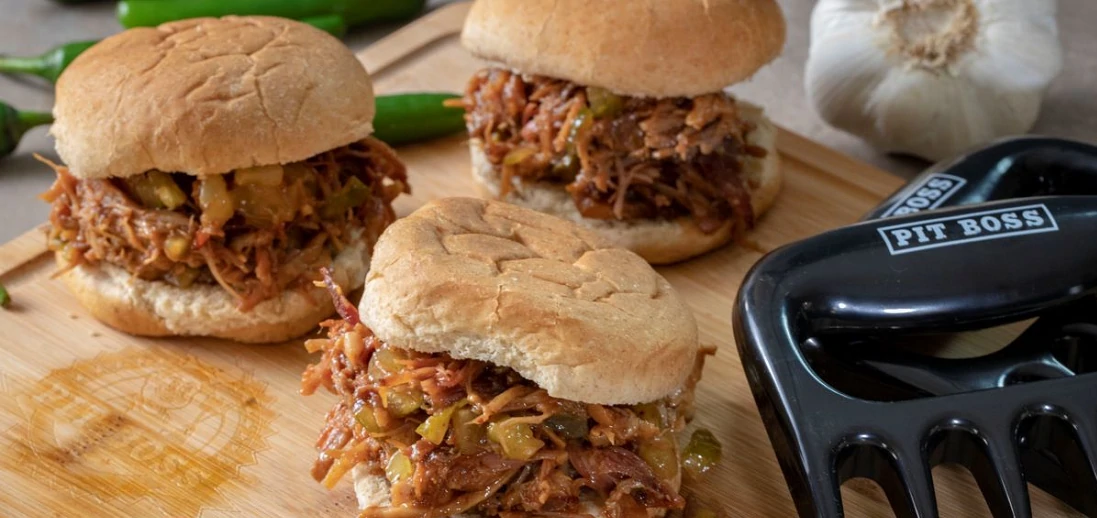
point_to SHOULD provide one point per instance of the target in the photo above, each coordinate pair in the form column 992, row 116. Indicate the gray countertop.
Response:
column 28, row 27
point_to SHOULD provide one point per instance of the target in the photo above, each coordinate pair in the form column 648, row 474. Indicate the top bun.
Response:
column 489, row 281
column 645, row 48
column 205, row 96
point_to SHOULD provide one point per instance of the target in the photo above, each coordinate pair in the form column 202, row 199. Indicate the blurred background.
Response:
column 30, row 27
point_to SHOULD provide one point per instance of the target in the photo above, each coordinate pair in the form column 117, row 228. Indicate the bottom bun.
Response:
column 375, row 491
column 659, row 241
column 153, row 308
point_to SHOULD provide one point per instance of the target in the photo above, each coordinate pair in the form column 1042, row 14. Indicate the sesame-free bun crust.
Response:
column 557, row 303
column 206, row 96
column 651, row 48
column 659, row 241
column 152, row 308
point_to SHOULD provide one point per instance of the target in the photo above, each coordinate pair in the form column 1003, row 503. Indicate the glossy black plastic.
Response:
column 817, row 323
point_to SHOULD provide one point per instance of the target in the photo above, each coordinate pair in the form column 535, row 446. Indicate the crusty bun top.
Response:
column 494, row 282
column 648, row 48
column 206, row 96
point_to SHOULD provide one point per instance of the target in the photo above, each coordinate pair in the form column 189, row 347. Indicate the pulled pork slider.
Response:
column 613, row 115
column 212, row 166
column 504, row 362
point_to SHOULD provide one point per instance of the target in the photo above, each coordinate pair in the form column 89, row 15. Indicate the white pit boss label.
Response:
column 930, row 194
column 968, row 228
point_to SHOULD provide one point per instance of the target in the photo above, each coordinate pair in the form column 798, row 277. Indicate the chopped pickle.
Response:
column 141, row 188
column 363, row 413
column 399, row 467
column 385, row 362
column 268, row 175
column 353, row 194
column 184, row 276
column 214, row 200
column 167, row 191
column 516, row 439
column 298, row 172
column 567, row 166
column 651, row 413
column 435, row 427
column 517, row 155
column 177, row 247
column 402, row 401
column 468, row 436
column 604, row 103
column 262, row 205
column 569, row 426
column 661, row 454
column 702, row 453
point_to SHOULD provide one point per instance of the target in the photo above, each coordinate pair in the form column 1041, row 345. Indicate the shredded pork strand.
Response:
column 635, row 158
column 607, row 453
column 102, row 220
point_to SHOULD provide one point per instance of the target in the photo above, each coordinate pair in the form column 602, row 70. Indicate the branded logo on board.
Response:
column 930, row 194
column 968, row 228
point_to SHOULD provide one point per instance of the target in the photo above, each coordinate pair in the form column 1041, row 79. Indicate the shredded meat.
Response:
column 273, row 237
column 619, row 157
column 506, row 448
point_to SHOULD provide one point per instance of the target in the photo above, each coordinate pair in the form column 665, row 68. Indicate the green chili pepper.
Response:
column 48, row 65
column 146, row 13
column 5, row 299
column 14, row 123
column 406, row 118
column 53, row 62
column 332, row 24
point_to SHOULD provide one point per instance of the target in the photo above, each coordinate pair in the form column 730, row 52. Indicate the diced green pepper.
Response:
column 569, row 426
column 604, row 103
column 353, row 194
column 5, row 298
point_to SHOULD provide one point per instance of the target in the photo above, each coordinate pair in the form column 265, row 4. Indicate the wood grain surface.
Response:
column 97, row 423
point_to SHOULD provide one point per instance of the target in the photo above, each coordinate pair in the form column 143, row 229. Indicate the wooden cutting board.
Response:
column 97, row 423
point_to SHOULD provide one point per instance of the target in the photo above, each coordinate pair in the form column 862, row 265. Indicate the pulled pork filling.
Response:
column 256, row 232
column 619, row 157
column 453, row 436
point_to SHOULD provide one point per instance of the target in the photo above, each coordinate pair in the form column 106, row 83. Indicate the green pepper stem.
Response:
column 30, row 120
column 36, row 65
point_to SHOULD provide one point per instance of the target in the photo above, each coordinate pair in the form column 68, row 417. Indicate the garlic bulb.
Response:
column 932, row 78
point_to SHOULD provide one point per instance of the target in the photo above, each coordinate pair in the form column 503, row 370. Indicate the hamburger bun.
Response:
column 553, row 301
column 682, row 48
column 659, row 241
column 206, row 96
column 153, row 308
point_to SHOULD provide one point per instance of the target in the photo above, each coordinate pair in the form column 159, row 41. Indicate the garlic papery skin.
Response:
column 932, row 78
